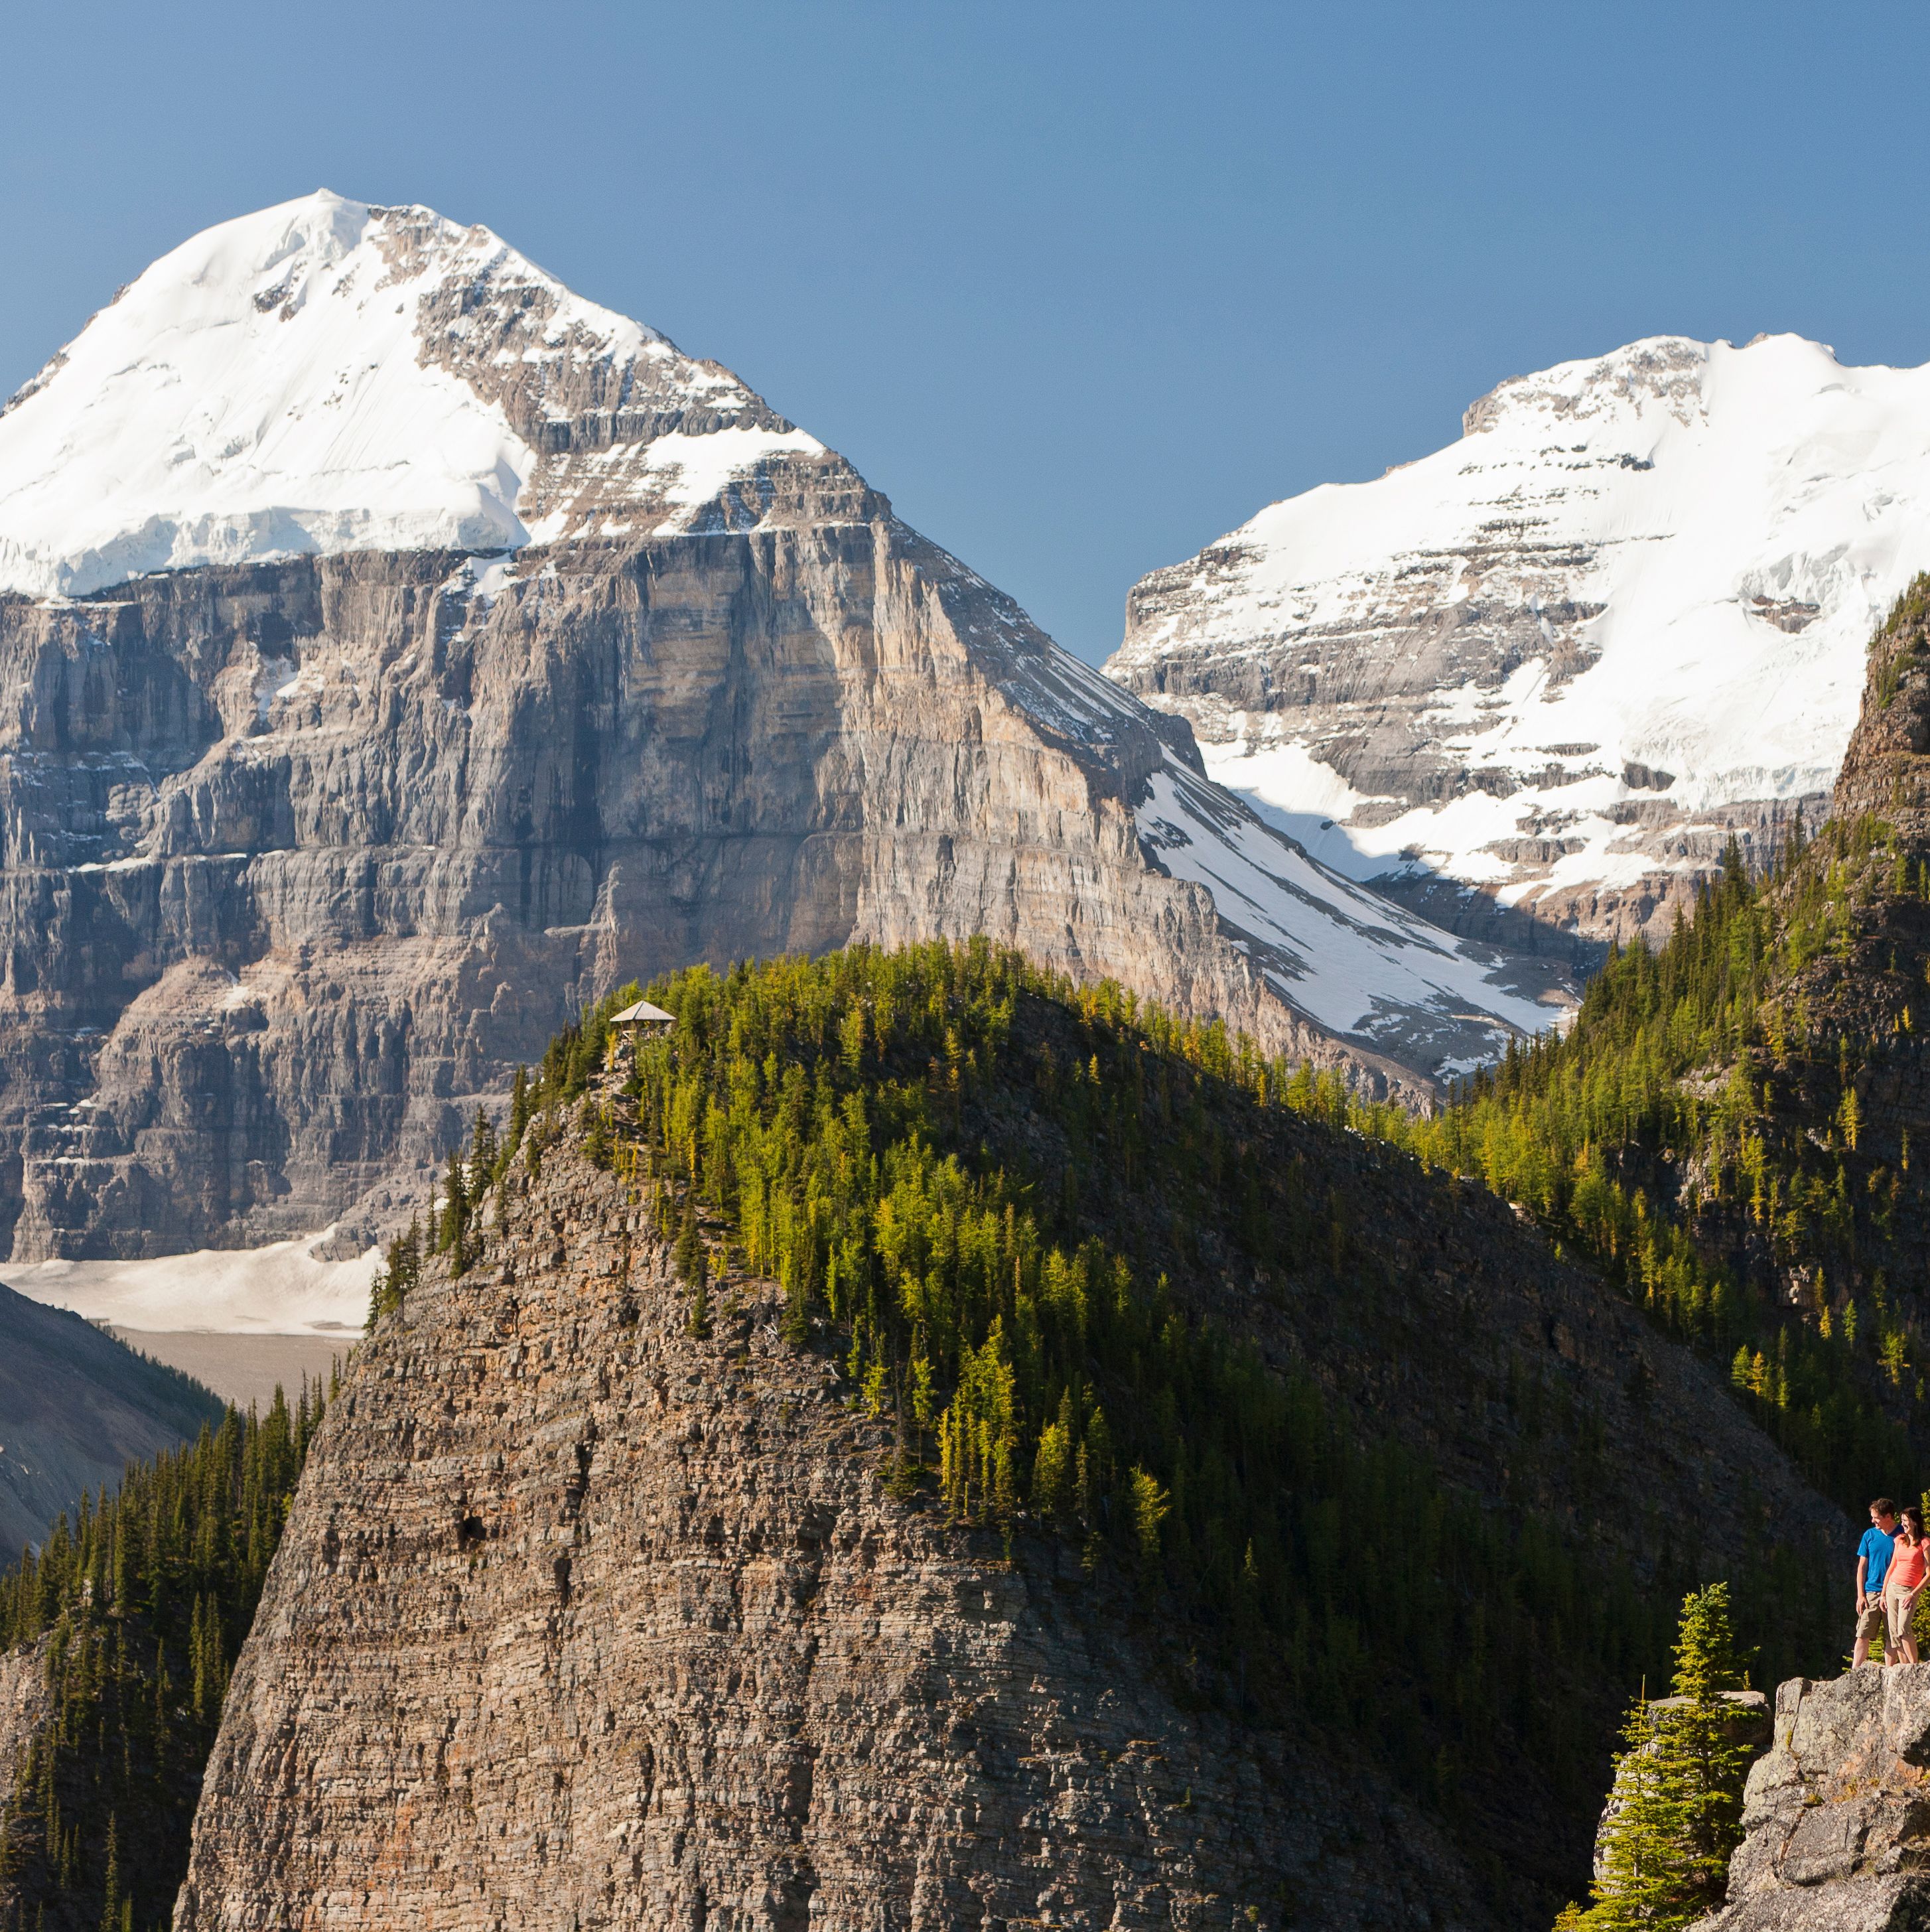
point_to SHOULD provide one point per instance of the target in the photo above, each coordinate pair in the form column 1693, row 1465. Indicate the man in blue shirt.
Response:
column 1873, row 1556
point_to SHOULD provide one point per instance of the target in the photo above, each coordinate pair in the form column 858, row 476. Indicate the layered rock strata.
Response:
column 510, row 644
column 303, row 858
column 26, row 1705
column 581, row 1622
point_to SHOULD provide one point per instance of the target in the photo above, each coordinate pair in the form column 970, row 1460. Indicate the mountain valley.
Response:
column 1013, row 1296
column 76, row 1407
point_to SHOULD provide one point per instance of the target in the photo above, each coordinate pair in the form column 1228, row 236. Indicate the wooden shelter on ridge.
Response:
column 643, row 1022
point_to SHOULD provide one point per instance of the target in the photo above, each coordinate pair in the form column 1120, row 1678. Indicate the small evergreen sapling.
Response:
column 693, row 1269
column 401, row 1270
column 1675, row 1811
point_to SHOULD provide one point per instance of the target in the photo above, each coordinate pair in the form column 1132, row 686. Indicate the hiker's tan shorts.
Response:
column 1898, row 1606
column 1873, row 1625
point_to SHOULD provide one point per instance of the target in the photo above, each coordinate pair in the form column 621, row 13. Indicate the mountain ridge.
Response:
column 76, row 1407
column 712, row 1495
column 309, row 842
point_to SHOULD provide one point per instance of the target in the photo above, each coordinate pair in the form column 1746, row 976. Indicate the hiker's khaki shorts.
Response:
column 1898, row 1606
column 1873, row 1625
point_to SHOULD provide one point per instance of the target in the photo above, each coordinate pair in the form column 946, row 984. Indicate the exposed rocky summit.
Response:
column 1837, row 1815
column 76, row 1407
column 495, row 642
column 1551, row 667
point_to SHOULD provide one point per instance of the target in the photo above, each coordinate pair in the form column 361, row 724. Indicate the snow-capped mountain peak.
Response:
column 326, row 375
column 1657, row 378
column 1556, row 659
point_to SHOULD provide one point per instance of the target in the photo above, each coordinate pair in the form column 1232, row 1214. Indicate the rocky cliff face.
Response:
column 1837, row 1816
column 1557, row 663
column 310, row 839
column 582, row 1622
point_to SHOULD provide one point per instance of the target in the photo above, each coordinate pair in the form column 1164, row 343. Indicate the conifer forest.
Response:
column 135, row 1610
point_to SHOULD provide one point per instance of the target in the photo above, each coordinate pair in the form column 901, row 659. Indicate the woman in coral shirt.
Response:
column 1904, row 1580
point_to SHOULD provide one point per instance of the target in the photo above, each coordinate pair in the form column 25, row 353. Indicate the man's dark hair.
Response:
column 1883, row 1506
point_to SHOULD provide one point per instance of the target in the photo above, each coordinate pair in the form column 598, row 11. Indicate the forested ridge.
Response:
column 1727, row 1128
column 134, row 1612
column 1698, row 1135
column 1102, row 1270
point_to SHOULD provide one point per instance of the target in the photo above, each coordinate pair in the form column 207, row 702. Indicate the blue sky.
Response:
column 1080, row 287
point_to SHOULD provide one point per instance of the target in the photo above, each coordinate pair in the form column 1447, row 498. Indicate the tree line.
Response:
column 138, row 1606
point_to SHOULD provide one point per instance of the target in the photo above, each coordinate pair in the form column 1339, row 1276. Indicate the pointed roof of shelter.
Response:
column 642, row 1011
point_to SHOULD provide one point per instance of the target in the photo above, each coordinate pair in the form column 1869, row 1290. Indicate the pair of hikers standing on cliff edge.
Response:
column 1893, row 1561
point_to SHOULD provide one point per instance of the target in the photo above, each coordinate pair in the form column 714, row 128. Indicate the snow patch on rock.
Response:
column 281, row 1289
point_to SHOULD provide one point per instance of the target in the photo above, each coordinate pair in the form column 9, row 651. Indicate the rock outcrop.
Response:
column 76, row 1407
column 1837, row 1816
column 25, row 1705
column 581, row 1622
column 310, row 839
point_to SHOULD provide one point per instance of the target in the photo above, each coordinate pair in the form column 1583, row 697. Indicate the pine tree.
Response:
column 1151, row 1506
column 392, row 1283
column 1640, row 1885
column 1705, row 1761
column 1674, row 1813
column 519, row 1116
column 482, row 1152
column 456, row 1214
column 796, row 1330
column 110, row 1910
column 692, row 1263
column 1052, row 1473
column 688, row 1256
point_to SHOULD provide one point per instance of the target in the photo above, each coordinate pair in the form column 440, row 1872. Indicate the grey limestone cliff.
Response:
column 302, row 859
column 1837, row 1816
